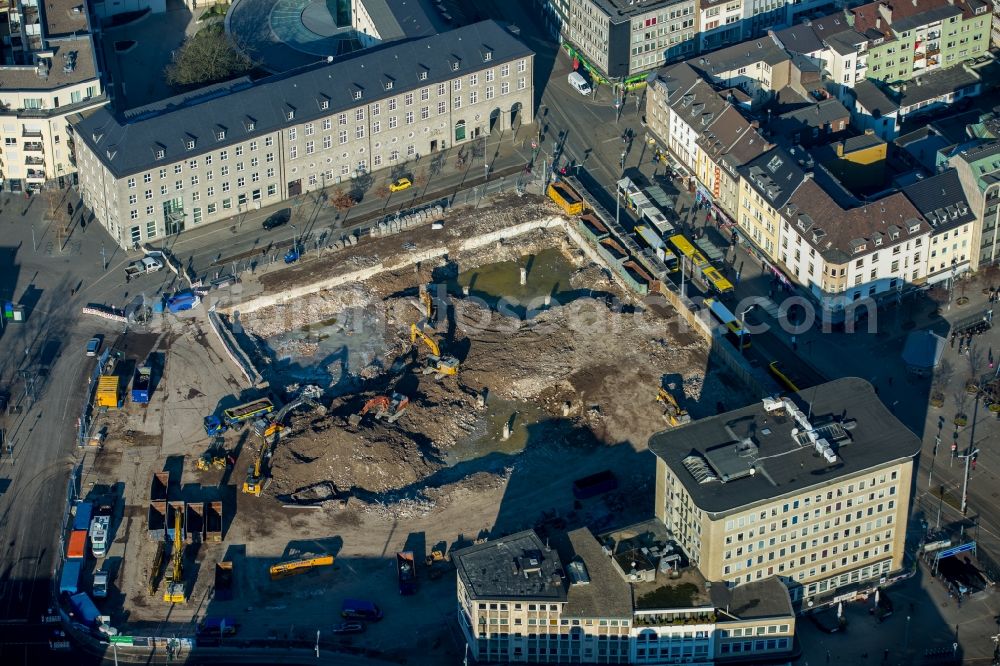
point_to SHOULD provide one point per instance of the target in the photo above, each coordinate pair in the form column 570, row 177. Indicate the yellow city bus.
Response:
column 716, row 280
column 786, row 377
column 687, row 249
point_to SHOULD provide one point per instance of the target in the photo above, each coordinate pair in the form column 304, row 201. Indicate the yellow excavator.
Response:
column 257, row 480
column 175, row 593
column 427, row 303
column 673, row 412
column 442, row 365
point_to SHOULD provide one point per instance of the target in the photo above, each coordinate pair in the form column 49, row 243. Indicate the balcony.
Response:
column 33, row 147
column 31, row 134
column 36, row 175
column 31, row 160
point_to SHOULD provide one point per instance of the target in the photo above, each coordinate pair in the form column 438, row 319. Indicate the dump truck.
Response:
column 223, row 581
column 566, row 198
column 107, row 391
column 84, row 513
column 594, row 485
column 141, row 381
column 406, row 572
column 247, row 412
column 69, row 580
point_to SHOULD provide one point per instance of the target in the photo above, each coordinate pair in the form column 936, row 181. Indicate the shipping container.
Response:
column 84, row 512
column 141, row 381
column 69, row 581
column 158, row 487
column 76, row 548
column 213, row 521
column 194, row 522
column 157, row 521
column 107, row 391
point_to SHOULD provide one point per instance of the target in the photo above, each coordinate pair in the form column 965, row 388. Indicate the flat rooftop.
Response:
column 758, row 599
column 775, row 448
column 518, row 566
column 595, row 588
column 623, row 10
column 64, row 17
column 935, row 84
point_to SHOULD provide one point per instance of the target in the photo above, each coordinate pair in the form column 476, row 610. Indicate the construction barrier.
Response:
column 113, row 314
column 233, row 350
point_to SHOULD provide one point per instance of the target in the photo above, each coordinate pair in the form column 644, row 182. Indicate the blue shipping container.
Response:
column 84, row 512
column 70, row 579
column 85, row 610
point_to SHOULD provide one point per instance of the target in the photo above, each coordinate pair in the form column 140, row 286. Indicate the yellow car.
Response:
column 400, row 185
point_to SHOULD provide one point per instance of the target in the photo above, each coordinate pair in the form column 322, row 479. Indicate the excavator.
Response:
column 443, row 366
column 384, row 407
column 257, row 480
column 175, row 592
column 673, row 412
column 427, row 304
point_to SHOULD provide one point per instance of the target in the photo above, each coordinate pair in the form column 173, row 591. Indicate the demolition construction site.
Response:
column 410, row 392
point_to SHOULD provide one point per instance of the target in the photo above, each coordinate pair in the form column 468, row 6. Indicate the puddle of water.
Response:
column 488, row 437
column 327, row 352
column 549, row 272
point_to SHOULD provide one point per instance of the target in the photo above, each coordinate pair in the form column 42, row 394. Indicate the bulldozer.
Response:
column 672, row 412
column 257, row 480
column 216, row 457
column 175, row 592
column 389, row 408
column 442, row 366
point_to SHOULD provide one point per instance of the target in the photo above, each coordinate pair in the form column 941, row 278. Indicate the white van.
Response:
column 577, row 81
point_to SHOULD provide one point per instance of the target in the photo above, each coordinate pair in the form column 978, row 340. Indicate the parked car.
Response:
column 292, row 255
column 401, row 184
column 276, row 220
column 94, row 345
column 360, row 609
column 349, row 628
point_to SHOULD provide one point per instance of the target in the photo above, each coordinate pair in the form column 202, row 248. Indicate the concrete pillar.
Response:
column 465, row 290
column 524, row 275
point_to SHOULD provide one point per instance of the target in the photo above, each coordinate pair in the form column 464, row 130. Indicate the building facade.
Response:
column 623, row 39
column 49, row 74
column 768, row 490
column 180, row 165
column 514, row 606
column 978, row 170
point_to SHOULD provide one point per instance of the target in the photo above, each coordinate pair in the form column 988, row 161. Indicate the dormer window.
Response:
column 189, row 144
column 250, row 125
column 487, row 56
column 878, row 241
column 388, row 85
column 220, row 134
column 423, row 75
column 914, row 228
column 454, row 66
column 323, row 102
column 357, row 94
column 160, row 153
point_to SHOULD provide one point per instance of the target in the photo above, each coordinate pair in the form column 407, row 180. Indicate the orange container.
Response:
column 77, row 545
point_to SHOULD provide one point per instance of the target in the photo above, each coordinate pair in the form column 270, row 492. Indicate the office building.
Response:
column 813, row 489
column 978, row 170
column 197, row 159
column 620, row 599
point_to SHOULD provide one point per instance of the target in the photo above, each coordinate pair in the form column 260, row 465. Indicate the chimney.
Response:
column 840, row 148
column 878, row 19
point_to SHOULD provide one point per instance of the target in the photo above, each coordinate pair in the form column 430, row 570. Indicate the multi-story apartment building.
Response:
column 912, row 37
column 624, row 38
column 190, row 161
column 720, row 23
column 766, row 184
column 978, row 171
column 759, row 67
column 815, row 494
column 954, row 227
column 523, row 600
column 50, row 75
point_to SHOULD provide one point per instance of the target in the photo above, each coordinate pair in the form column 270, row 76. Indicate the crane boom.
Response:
column 415, row 333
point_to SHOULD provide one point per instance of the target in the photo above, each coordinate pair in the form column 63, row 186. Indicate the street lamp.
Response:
column 622, row 163
column 743, row 324
column 295, row 236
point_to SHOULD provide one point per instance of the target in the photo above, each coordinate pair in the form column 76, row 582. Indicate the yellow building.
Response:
column 766, row 184
column 817, row 495
column 577, row 599
column 858, row 163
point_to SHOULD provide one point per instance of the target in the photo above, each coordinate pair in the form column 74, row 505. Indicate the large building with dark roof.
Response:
column 812, row 488
column 222, row 151
column 576, row 598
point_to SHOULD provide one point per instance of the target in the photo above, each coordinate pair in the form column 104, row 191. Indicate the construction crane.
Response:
column 442, row 365
column 175, row 593
column 383, row 407
column 673, row 413
column 295, row 567
column 256, row 480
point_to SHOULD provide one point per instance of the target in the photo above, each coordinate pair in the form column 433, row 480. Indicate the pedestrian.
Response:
column 795, row 344
column 953, row 340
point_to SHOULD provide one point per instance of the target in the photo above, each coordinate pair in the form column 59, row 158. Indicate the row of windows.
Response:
column 755, row 646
